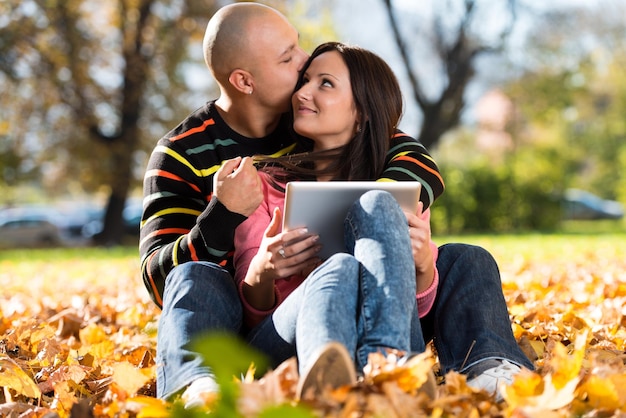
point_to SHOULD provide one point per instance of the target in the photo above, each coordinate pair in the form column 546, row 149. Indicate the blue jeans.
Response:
column 468, row 323
column 360, row 299
column 367, row 301
column 198, row 297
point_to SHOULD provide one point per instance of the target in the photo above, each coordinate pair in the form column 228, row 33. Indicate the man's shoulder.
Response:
column 402, row 139
column 204, row 122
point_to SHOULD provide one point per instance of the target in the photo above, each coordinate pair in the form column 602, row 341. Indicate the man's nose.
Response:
column 302, row 56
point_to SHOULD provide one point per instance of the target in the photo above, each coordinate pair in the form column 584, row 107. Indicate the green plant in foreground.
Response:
column 228, row 357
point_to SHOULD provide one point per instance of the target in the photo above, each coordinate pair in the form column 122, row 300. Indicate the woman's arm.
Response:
column 259, row 262
column 425, row 254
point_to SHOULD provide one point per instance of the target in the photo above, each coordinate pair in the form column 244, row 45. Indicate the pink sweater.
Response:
column 248, row 236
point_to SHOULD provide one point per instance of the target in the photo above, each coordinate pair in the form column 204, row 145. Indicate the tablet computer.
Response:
column 322, row 206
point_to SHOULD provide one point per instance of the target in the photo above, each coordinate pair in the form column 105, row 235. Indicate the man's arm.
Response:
column 182, row 220
column 408, row 160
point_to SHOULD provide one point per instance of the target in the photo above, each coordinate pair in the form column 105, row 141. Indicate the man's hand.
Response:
column 237, row 186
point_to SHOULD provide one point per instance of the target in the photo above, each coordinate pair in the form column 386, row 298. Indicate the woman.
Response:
column 348, row 104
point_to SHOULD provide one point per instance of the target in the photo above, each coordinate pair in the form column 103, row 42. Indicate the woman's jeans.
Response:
column 365, row 301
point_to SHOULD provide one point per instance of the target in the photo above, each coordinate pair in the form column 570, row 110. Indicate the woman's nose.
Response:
column 303, row 93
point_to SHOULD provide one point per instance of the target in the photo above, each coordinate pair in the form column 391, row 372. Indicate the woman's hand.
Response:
column 281, row 254
column 419, row 231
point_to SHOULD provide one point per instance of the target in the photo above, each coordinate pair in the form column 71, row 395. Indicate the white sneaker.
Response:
column 200, row 393
column 492, row 379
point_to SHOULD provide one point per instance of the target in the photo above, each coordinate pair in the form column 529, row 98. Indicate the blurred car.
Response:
column 19, row 229
column 583, row 205
column 131, row 218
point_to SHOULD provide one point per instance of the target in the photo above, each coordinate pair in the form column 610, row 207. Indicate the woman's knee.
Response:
column 378, row 203
column 339, row 270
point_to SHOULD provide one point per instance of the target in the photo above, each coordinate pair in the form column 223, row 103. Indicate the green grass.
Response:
column 503, row 247
column 65, row 254
column 545, row 247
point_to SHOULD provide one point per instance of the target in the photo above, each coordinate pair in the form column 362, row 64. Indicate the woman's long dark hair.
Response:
column 378, row 101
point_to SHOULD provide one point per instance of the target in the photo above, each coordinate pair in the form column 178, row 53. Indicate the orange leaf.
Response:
column 65, row 394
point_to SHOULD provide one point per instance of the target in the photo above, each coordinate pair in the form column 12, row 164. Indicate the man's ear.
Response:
column 242, row 81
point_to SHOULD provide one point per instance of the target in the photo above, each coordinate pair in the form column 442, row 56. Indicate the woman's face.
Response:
column 324, row 108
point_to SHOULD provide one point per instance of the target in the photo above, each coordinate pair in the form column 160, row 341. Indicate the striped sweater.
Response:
column 182, row 221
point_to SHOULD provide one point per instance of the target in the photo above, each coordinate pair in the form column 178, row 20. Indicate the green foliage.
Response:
column 521, row 193
column 228, row 357
column 567, row 130
column 291, row 411
column 580, row 110
column 314, row 22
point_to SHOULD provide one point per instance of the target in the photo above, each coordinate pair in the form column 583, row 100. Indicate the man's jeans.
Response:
column 366, row 301
column 198, row 297
column 469, row 321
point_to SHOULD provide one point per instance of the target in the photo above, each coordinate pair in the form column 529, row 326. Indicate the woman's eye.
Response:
column 326, row 83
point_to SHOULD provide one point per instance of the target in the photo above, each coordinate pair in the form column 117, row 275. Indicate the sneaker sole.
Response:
column 332, row 369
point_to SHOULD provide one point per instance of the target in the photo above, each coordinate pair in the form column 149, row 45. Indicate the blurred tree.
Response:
column 90, row 85
column 91, row 81
column 574, row 94
column 457, row 36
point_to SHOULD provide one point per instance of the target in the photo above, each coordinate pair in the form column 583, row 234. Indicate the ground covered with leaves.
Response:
column 77, row 339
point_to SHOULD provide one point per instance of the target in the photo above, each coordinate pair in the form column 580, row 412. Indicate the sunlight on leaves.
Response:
column 96, row 340
column 129, row 378
column 13, row 377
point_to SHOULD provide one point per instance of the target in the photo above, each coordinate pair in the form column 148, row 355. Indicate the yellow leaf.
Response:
column 619, row 381
column 128, row 377
column 64, row 394
column 249, row 376
column 567, row 366
column 409, row 376
column 526, row 384
column 92, row 334
column 101, row 351
column 13, row 377
column 539, row 347
column 558, row 389
column 551, row 399
column 601, row 393
column 149, row 407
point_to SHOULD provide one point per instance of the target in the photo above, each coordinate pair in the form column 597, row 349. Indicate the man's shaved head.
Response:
column 229, row 35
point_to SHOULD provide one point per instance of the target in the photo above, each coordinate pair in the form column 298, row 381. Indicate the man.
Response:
column 192, row 206
column 189, row 216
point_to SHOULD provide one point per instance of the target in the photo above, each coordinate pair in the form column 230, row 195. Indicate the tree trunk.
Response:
column 124, row 144
column 113, row 230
